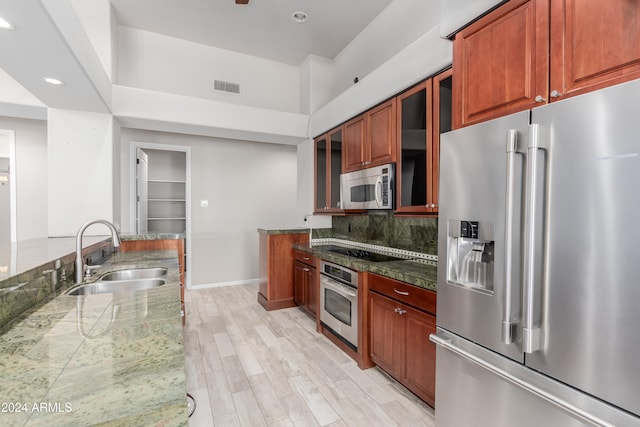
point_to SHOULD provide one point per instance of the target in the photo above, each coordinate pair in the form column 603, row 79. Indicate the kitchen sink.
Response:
column 134, row 274
column 112, row 286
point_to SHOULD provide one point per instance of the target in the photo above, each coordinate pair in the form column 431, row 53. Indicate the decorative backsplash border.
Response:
column 384, row 250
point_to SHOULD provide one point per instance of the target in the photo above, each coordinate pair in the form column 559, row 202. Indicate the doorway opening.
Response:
column 8, row 206
column 161, row 190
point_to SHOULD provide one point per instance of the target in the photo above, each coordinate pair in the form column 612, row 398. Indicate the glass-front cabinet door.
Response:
column 413, row 174
column 423, row 112
column 328, row 166
column 322, row 160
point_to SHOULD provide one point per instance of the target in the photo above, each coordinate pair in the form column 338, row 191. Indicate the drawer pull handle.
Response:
column 305, row 258
column 400, row 292
column 305, row 269
column 400, row 311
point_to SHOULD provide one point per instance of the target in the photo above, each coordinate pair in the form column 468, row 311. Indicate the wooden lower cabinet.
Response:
column 276, row 268
column 399, row 335
column 306, row 284
column 158, row 245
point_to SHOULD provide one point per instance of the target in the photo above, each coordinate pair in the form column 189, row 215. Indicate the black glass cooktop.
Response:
column 362, row 254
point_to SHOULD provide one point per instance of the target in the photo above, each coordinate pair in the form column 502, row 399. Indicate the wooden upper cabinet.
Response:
column 353, row 144
column 370, row 138
column 382, row 134
column 594, row 44
column 530, row 52
column 500, row 62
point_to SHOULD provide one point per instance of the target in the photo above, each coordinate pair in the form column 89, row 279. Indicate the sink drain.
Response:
column 191, row 404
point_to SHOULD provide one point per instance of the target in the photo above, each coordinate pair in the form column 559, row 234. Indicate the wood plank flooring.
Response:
column 249, row 367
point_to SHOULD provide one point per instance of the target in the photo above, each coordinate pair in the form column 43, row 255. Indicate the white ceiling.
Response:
column 262, row 28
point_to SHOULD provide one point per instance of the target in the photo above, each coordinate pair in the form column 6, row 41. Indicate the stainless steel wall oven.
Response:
column 339, row 302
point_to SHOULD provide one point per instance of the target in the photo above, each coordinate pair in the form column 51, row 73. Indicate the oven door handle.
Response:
column 336, row 288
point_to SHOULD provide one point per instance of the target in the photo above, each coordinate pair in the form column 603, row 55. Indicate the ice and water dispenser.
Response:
column 470, row 254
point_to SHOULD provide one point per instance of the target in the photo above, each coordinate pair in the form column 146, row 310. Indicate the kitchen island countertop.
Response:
column 112, row 359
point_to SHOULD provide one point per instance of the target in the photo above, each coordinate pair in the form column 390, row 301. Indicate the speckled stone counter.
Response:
column 152, row 236
column 413, row 272
column 106, row 359
column 20, row 257
column 292, row 230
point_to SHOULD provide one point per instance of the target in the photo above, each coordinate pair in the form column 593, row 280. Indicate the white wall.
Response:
column 422, row 58
column 165, row 64
column 97, row 19
column 316, row 83
column 80, row 171
column 248, row 185
column 455, row 14
column 5, row 196
column 399, row 25
column 31, row 176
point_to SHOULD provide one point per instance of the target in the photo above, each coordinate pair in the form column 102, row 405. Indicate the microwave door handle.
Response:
column 379, row 191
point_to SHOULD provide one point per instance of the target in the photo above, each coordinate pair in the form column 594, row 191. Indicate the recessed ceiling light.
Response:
column 299, row 17
column 53, row 81
column 5, row 25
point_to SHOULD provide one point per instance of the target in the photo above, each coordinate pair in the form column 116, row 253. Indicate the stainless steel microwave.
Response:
column 371, row 188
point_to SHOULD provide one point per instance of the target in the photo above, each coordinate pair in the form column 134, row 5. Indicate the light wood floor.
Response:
column 249, row 367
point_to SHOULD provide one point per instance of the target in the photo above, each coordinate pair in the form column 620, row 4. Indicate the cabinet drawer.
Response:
column 422, row 299
column 304, row 257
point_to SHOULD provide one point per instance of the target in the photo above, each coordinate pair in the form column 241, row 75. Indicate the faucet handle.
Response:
column 88, row 270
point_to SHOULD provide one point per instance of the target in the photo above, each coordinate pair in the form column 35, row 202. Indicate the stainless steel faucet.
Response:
column 79, row 273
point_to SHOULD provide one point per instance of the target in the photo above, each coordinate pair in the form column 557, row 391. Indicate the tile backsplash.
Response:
column 383, row 228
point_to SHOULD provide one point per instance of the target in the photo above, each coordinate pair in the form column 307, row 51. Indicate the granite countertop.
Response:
column 291, row 230
column 416, row 273
column 151, row 236
column 109, row 359
column 20, row 257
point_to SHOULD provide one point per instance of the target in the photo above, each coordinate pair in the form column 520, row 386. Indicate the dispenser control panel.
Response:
column 470, row 257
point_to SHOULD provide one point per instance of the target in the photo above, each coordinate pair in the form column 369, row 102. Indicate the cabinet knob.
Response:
column 539, row 98
column 555, row 94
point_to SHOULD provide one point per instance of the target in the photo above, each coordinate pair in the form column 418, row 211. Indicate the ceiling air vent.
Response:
column 226, row 86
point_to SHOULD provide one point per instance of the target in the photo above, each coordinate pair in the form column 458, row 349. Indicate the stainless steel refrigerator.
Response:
column 539, row 266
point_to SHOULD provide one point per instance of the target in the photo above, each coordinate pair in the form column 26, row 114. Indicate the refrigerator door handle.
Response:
column 531, row 332
column 447, row 343
column 508, row 325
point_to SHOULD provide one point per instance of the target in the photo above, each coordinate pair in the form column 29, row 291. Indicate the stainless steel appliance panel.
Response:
column 591, row 290
column 477, row 387
column 339, row 301
column 371, row 188
column 473, row 190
